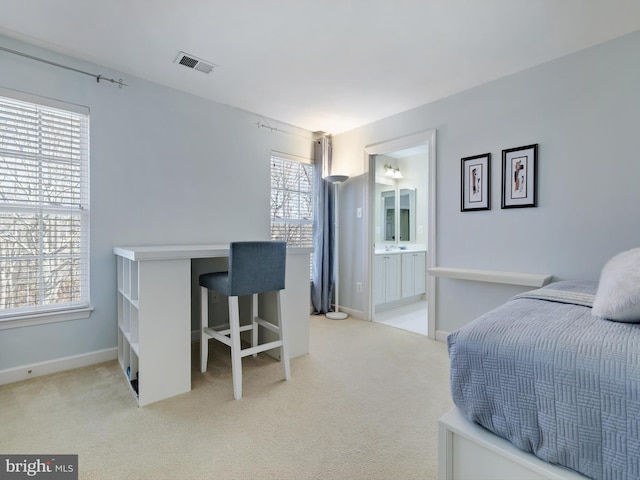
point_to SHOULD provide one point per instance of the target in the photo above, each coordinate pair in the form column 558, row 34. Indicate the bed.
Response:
column 546, row 388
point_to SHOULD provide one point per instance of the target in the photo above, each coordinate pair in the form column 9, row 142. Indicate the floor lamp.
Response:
column 336, row 180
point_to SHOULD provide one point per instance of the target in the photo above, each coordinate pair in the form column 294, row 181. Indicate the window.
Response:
column 291, row 201
column 44, row 208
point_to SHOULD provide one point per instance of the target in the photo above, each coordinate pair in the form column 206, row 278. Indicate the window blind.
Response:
column 44, row 208
column 291, row 201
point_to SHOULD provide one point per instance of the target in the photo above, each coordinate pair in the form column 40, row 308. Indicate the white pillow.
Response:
column 618, row 295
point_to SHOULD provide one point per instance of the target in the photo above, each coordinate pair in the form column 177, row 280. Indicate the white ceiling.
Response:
column 323, row 65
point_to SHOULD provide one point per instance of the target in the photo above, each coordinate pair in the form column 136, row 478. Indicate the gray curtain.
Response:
column 322, row 279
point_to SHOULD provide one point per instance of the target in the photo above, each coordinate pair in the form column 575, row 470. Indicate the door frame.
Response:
column 427, row 137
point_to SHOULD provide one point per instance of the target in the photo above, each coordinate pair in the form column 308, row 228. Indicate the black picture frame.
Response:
column 475, row 178
column 520, row 177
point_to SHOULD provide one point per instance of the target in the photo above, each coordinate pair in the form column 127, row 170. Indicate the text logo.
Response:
column 50, row 467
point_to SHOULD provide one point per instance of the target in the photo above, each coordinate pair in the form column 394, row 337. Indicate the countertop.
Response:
column 402, row 248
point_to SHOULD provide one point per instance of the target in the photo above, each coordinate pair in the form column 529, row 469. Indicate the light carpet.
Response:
column 363, row 404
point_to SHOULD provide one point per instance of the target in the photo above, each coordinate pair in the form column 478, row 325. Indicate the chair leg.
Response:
column 254, row 314
column 236, row 354
column 284, row 349
column 204, row 322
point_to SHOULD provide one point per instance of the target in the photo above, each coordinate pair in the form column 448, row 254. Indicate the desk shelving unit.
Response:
column 128, row 320
column 154, row 325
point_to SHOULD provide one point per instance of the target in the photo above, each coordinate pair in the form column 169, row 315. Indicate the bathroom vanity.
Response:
column 400, row 274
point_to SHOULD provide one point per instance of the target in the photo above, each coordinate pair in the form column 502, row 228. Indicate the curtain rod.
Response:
column 118, row 82
column 260, row 124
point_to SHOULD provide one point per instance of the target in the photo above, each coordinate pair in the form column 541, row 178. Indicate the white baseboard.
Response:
column 24, row 372
column 441, row 335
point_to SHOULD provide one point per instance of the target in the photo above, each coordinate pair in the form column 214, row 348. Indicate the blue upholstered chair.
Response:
column 254, row 267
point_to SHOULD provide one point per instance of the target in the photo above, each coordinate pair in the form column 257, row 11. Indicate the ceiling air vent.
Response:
column 195, row 63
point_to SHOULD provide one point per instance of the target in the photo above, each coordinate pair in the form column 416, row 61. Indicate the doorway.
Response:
column 401, row 221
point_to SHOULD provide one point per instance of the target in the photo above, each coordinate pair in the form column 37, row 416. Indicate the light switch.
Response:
column 359, row 212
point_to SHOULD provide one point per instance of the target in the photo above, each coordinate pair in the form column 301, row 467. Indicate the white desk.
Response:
column 154, row 313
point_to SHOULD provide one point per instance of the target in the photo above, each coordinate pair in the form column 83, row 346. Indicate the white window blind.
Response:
column 44, row 208
column 291, row 201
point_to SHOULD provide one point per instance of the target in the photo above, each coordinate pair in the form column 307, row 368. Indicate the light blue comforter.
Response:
column 554, row 380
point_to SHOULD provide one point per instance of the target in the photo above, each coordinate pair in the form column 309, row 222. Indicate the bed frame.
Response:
column 469, row 452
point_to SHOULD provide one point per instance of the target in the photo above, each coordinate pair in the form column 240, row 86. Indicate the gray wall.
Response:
column 584, row 112
column 166, row 167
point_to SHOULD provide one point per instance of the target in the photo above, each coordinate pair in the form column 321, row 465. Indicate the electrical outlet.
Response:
column 359, row 287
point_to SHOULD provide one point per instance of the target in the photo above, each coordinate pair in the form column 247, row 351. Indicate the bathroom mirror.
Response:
column 388, row 215
column 398, row 215
column 407, row 215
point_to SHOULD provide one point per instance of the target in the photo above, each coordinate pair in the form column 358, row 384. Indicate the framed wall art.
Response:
column 476, row 183
column 519, row 177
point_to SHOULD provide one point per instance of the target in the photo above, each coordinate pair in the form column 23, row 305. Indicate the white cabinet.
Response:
column 387, row 282
column 154, row 336
column 414, row 275
column 399, row 277
column 128, row 320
